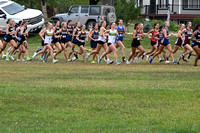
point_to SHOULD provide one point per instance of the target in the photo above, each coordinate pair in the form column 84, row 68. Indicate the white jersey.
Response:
column 112, row 36
column 48, row 37
column 101, row 38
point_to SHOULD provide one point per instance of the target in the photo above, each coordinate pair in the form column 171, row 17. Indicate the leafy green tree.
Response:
column 127, row 10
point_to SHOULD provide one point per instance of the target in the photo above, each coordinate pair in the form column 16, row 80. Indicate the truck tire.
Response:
column 111, row 18
column 90, row 25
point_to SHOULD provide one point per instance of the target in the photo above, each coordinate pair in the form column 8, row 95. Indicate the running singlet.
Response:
column 197, row 36
column 112, row 36
column 101, row 38
column 48, row 37
column 95, row 35
column 64, row 33
column 70, row 29
column 121, row 33
column 75, row 41
column 188, row 35
column 57, row 35
column 82, row 37
column 153, row 34
column 165, row 41
column 179, row 41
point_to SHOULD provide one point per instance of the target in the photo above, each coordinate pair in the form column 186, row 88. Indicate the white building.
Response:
column 180, row 10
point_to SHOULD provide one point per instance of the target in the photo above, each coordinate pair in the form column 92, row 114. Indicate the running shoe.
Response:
column 11, row 57
column 161, row 61
column 137, row 59
column 151, row 59
column 185, row 61
column 128, row 62
column 18, row 60
column 167, row 62
column 110, row 62
column 7, row 55
column 55, row 61
column 167, row 58
column 117, row 63
column 124, row 60
column 23, row 60
column 38, row 49
column 147, row 59
column 143, row 55
column 34, row 55
column 99, row 59
column 68, row 60
column 41, row 58
column 87, row 56
column 73, row 58
column 3, row 56
column 93, row 62
column 28, row 59
column 44, row 61
column 195, row 64
column 175, row 62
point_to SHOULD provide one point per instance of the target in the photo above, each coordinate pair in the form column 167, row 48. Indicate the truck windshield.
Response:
column 13, row 8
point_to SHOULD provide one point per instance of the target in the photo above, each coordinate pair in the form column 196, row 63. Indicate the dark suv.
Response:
column 88, row 14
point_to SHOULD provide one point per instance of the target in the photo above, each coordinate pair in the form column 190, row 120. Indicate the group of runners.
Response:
column 58, row 37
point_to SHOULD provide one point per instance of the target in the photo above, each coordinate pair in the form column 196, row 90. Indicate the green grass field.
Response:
column 84, row 97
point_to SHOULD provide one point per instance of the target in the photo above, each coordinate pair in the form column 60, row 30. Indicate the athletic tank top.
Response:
column 120, row 31
column 19, row 31
column 48, row 36
column 95, row 35
column 82, row 37
column 167, row 33
column 101, row 38
column 138, row 33
column 153, row 34
column 56, row 30
column 77, row 31
column 10, row 30
column 64, row 33
column 70, row 29
column 112, row 36
column 188, row 34
column 197, row 36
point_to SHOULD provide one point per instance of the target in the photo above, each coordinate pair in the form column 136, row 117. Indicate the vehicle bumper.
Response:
column 35, row 27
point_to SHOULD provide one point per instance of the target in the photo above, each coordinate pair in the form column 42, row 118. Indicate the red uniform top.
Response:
column 153, row 34
column 187, row 36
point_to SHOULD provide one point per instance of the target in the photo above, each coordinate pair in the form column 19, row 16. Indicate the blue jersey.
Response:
column 197, row 36
column 121, row 33
column 165, row 40
column 93, row 43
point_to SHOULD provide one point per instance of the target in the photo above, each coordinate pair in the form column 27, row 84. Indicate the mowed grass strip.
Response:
column 84, row 97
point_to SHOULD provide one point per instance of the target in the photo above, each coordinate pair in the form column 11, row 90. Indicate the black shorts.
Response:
column 8, row 38
column 153, row 43
column 81, row 43
column 100, row 42
column 135, row 43
column 64, row 40
column 164, row 44
column 55, row 40
column 109, row 44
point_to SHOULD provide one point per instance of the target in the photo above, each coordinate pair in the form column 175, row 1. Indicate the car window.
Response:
column 1, row 12
column 95, row 10
column 13, row 8
column 74, row 9
column 84, row 9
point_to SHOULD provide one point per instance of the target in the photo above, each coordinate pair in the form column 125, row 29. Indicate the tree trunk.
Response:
column 94, row 2
column 44, row 8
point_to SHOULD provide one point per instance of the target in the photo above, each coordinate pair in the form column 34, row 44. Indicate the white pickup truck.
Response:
column 10, row 9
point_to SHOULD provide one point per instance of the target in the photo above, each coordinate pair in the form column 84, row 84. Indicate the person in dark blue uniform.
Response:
column 94, row 35
column 196, row 43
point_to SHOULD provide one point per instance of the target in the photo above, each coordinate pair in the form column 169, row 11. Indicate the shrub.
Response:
column 196, row 21
column 147, row 27
column 175, row 28
column 152, row 22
